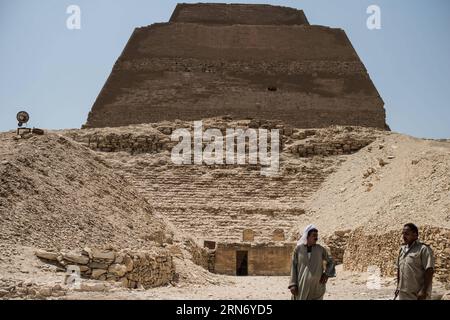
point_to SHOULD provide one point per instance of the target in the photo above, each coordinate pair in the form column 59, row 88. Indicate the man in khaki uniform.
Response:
column 415, row 267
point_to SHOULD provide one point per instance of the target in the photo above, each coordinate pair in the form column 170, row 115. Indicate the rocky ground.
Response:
column 346, row 286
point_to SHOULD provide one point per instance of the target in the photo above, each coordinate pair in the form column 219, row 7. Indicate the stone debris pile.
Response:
column 132, row 268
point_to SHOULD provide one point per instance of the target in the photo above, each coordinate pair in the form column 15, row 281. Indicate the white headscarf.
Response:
column 304, row 238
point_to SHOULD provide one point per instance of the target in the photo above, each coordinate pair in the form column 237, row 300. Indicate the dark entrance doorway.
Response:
column 242, row 263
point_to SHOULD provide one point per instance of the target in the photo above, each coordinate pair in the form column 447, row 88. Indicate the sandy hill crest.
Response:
column 56, row 193
column 395, row 180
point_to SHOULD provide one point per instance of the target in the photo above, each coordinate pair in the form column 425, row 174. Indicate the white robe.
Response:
column 306, row 272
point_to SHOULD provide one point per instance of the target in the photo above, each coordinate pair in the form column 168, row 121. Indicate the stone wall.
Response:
column 133, row 268
column 307, row 143
column 307, row 76
column 132, row 143
column 202, row 256
column 313, row 143
column 156, row 138
column 264, row 259
column 336, row 244
column 365, row 249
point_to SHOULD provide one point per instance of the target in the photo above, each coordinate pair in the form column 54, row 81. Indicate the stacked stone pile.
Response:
column 13, row 289
column 332, row 141
column 156, row 138
column 133, row 268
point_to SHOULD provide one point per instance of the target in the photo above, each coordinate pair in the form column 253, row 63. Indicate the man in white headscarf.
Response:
column 308, row 274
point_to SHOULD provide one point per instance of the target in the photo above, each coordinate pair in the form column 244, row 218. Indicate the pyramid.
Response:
column 245, row 61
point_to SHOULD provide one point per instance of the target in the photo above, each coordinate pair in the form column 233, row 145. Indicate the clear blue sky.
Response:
column 56, row 73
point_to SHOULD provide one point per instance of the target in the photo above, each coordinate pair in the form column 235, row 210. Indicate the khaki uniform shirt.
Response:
column 413, row 261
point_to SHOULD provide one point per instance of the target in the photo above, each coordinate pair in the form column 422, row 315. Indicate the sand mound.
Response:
column 395, row 180
column 55, row 193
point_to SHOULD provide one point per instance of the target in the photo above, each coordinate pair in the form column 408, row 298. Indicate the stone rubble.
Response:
column 132, row 268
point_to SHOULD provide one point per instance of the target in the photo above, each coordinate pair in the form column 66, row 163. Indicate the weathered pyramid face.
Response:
column 247, row 61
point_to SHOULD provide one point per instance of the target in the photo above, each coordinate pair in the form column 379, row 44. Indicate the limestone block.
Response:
column 46, row 255
column 248, row 235
column 128, row 262
column 103, row 256
column 118, row 270
column 96, row 273
column 76, row 258
column 278, row 235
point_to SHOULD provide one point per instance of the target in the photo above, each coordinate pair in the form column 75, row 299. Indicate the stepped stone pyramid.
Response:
column 246, row 61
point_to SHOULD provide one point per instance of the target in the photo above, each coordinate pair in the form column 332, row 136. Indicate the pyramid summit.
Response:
column 246, row 61
column 228, row 14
